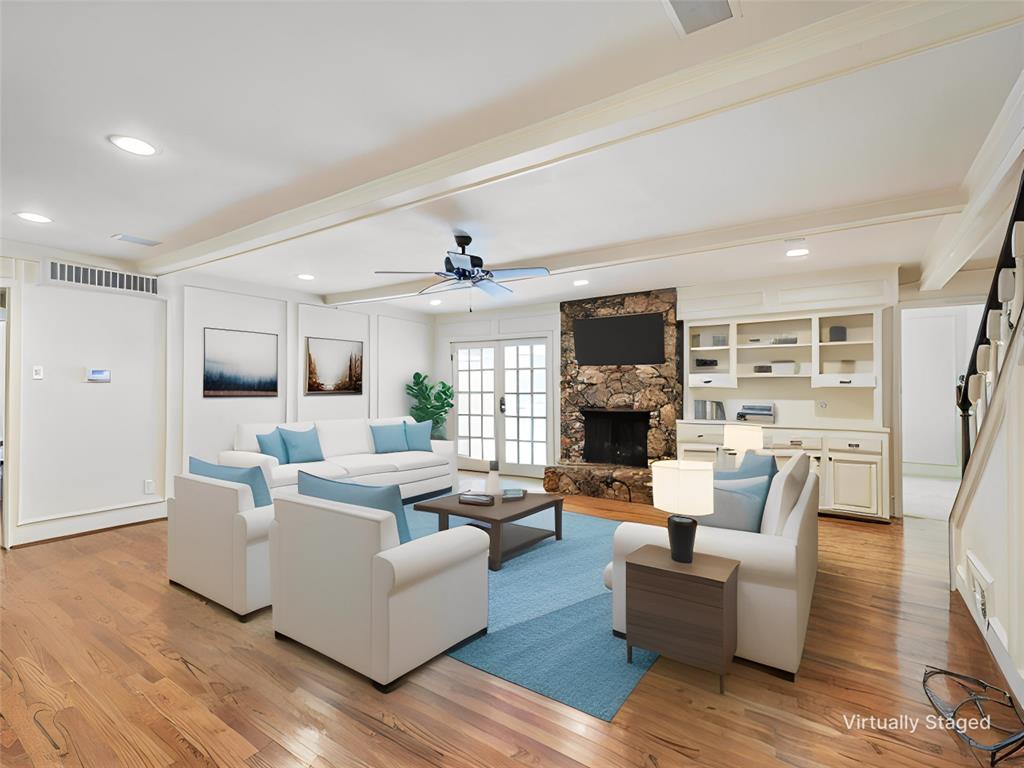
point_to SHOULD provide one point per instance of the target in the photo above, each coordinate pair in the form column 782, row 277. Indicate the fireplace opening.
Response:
column 615, row 436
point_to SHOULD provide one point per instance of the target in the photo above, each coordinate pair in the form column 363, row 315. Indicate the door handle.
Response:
column 501, row 404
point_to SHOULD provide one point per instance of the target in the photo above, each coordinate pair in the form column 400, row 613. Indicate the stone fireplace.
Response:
column 606, row 409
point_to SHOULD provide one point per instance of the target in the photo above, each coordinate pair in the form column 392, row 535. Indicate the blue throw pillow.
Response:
column 272, row 444
column 251, row 476
column 739, row 504
column 753, row 465
column 302, row 446
column 417, row 435
column 384, row 497
column 389, row 438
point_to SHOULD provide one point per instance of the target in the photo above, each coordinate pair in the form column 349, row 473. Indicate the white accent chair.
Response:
column 344, row 586
column 777, row 567
column 218, row 543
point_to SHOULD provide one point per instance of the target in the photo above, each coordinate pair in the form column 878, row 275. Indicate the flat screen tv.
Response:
column 621, row 340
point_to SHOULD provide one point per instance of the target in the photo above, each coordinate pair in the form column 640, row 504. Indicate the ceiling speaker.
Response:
column 694, row 15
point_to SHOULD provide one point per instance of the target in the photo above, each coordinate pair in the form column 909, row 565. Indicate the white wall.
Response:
column 405, row 346
column 935, row 346
column 78, row 453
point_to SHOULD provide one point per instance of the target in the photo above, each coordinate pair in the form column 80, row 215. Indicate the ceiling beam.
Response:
column 861, row 38
column 920, row 206
column 991, row 184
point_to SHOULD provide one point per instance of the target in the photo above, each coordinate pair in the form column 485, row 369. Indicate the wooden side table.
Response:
column 686, row 611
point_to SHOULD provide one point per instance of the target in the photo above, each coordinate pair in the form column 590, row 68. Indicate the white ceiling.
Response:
column 880, row 133
column 260, row 107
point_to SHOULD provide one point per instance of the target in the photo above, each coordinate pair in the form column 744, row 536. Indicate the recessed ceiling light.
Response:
column 305, row 276
column 796, row 253
column 133, row 145
column 435, row 302
column 35, row 218
column 580, row 283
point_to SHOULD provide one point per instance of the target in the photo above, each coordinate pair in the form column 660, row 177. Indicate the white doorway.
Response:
column 935, row 345
column 503, row 405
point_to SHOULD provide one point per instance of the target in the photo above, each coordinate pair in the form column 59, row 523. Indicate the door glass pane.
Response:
column 475, row 402
column 524, row 381
column 539, row 377
column 525, row 429
column 538, row 355
column 511, row 381
column 510, row 358
column 525, row 453
column 540, row 453
column 511, row 452
column 488, row 450
column 525, row 405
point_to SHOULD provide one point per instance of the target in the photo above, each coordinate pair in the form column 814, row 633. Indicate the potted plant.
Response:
column 431, row 403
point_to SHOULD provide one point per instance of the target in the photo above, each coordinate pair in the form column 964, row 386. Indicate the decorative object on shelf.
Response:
column 709, row 339
column 762, row 368
column 837, row 333
column 709, row 409
column 785, row 340
column 706, row 362
column 694, row 494
column 742, row 438
column 476, row 499
column 962, row 699
column 785, row 367
column 432, row 403
column 239, row 363
column 493, row 484
column 513, row 494
column 334, row 366
column 760, row 414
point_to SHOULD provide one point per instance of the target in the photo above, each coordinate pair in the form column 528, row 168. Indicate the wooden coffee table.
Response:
column 507, row 538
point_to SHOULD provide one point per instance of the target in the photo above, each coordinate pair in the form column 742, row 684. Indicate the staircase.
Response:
column 986, row 525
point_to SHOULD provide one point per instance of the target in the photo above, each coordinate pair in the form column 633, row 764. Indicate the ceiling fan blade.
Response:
column 460, row 260
column 491, row 287
column 399, row 272
column 514, row 273
column 444, row 285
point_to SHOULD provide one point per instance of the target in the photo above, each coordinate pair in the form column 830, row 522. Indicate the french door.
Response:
column 503, row 405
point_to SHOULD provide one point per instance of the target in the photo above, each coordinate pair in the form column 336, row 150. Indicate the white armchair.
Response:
column 218, row 543
column 342, row 585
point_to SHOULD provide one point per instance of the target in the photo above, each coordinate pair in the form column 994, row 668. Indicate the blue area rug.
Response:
column 550, row 624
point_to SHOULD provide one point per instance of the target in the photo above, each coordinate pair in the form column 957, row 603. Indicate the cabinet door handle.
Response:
column 707, row 381
column 846, row 381
column 854, row 445
column 830, row 458
column 796, row 443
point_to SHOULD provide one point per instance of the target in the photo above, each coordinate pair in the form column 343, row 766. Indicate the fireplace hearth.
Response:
column 615, row 436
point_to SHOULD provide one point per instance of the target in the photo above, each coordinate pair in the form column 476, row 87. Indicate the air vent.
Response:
column 694, row 15
column 97, row 277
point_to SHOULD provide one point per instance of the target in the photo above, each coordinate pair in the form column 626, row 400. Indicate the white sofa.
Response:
column 347, row 446
column 777, row 567
column 218, row 543
column 343, row 585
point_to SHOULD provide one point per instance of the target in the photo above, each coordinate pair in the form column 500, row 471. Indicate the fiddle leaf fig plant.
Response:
column 431, row 402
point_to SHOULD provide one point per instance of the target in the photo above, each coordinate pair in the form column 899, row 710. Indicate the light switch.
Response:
column 147, row 486
column 37, row 372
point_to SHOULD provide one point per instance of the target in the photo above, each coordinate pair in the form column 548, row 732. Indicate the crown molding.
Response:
column 864, row 37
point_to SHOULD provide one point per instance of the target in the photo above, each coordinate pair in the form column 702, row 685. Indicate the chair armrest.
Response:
column 257, row 522
column 211, row 494
column 399, row 567
column 446, row 448
column 245, row 459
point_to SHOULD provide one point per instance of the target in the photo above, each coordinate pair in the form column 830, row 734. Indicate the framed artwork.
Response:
column 239, row 363
column 334, row 366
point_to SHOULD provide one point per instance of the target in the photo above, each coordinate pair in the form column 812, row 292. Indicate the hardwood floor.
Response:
column 105, row 664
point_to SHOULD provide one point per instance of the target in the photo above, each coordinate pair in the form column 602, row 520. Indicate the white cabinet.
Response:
column 840, row 380
column 853, row 483
column 721, row 380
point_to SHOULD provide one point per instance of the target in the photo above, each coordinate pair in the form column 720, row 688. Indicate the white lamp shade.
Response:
column 742, row 438
column 696, row 488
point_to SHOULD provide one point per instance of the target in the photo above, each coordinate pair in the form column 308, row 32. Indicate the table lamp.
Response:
column 742, row 438
column 696, row 494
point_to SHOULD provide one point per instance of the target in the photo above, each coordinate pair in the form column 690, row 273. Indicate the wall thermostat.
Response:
column 97, row 375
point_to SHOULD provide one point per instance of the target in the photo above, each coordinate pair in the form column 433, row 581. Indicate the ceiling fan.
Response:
column 464, row 270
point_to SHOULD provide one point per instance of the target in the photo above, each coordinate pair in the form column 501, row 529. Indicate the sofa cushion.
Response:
column 417, row 435
column 251, row 476
column 302, row 446
column 784, row 492
column 405, row 476
column 272, row 444
column 739, row 504
column 416, row 460
column 389, row 438
column 386, row 497
column 342, row 437
column 364, row 463
column 288, row 474
column 245, row 434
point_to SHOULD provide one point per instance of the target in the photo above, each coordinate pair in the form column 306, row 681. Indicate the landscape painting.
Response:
column 239, row 363
column 334, row 367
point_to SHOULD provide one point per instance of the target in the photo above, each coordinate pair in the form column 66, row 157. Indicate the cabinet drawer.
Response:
column 870, row 445
column 840, row 380
column 724, row 380
column 794, row 442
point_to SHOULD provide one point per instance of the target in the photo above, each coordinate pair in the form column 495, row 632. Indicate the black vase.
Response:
column 681, row 533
